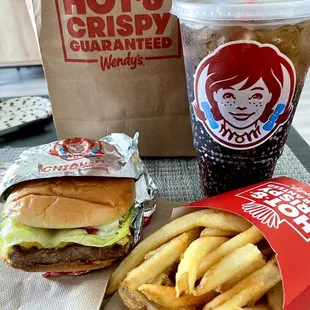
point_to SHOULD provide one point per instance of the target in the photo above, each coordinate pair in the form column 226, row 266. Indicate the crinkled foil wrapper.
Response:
column 114, row 156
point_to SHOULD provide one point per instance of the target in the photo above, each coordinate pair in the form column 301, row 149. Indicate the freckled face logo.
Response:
column 76, row 148
column 243, row 93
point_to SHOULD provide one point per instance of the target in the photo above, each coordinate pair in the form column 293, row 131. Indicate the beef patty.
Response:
column 22, row 257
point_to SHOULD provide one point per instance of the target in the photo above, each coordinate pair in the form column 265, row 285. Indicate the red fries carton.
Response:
column 280, row 208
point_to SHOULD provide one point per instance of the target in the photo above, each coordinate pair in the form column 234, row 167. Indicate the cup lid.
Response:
column 240, row 9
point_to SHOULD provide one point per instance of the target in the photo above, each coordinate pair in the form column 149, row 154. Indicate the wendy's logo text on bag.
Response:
column 117, row 33
column 76, row 148
column 243, row 93
column 274, row 203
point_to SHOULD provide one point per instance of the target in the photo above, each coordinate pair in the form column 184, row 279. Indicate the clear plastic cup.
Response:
column 246, row 63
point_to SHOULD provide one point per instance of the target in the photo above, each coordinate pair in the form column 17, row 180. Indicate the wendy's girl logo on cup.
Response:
column 243, row 93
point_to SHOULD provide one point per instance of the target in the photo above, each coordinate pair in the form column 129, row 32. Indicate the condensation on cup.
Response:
column 246, row 63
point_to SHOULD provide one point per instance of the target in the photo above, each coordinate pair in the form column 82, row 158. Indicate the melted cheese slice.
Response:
column 15, row 233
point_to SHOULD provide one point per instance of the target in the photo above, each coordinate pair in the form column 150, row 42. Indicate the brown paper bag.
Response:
column 116, row 66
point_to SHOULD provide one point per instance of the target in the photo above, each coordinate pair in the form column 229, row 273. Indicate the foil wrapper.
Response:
column 114, row 156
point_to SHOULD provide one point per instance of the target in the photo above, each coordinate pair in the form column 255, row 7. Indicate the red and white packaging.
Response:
column 280, row 208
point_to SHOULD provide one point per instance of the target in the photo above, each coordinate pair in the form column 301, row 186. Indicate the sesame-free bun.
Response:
column 63, row 267
column 70, row 202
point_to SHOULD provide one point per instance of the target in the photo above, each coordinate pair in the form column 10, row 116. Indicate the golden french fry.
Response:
column 153, row 241
column 267, row 286
column 193, row 256
column 275, row 297
column 214, row 232
column 228, row 268
column 224, row 221
column 161, row 279
column 167, row 277
column 152, row 253
column 134, row 300
column 159, row 262
column 243, row 273
column 252, row 235
column 181, row 284
column 165, row 296
column 242, row 298
column 269, row 275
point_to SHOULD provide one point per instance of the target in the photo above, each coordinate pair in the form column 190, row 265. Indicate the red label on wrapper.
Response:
column 280, row 208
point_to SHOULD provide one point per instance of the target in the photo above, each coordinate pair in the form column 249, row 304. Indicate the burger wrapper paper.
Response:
column 280, row 209
column 30, row 291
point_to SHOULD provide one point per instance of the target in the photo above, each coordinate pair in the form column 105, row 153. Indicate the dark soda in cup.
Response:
column 246, row 63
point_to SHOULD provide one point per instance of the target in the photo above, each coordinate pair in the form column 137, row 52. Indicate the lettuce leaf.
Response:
column 14, row 233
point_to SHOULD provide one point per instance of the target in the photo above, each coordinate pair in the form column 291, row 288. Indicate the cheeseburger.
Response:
column 67, row 224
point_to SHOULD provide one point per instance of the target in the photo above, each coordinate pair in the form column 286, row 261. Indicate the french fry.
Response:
column 275, row 297
column 161, row 279
column 165, row 296
column 243, row 273
column 152, row 253
column 269, row 275
column 159, row 262
column 166, row 278
column 153, row 241
column 134, row 300
column 229, row 267
column 193, row 256
column 267, row 286
column 227, row 257
column 242, row 298
column 214, row 232
column 181, row 284
column 224, row 221
column 252, row 235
